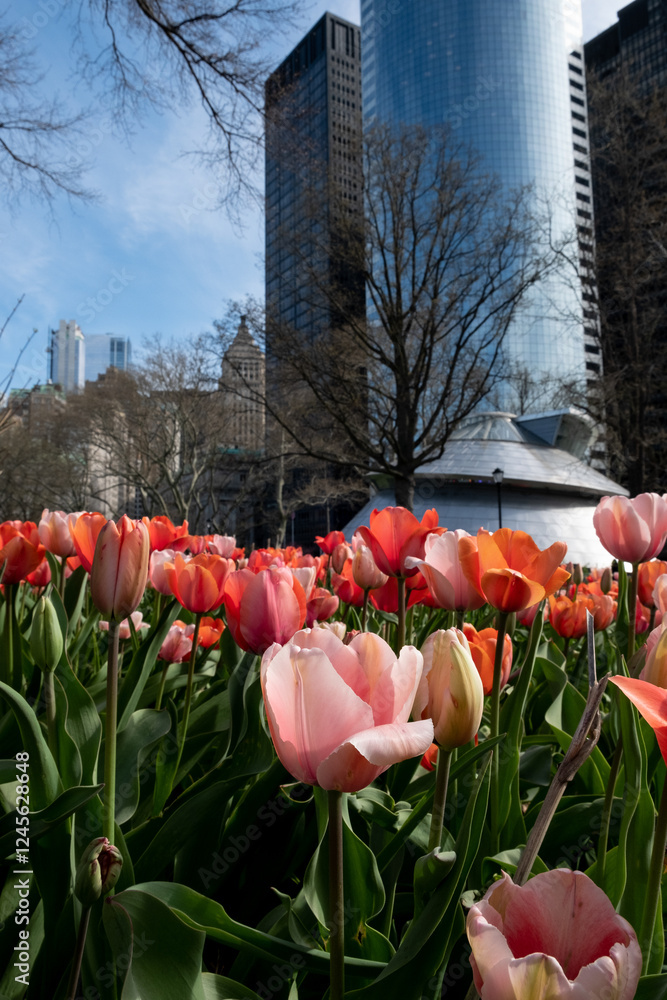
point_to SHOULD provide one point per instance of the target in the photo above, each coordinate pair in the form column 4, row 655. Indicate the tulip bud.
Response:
column 364, row 570
column 120, row 567
column 450, row 691
column 340, row 554
column 577, row 574
column 605, row 580
column 98, row 871
column 46, row 638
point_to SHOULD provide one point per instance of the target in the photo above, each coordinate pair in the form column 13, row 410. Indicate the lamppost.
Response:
column 498, row 480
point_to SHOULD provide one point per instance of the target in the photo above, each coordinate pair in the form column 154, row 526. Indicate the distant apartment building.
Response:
column 66, row 349
column 105, row 350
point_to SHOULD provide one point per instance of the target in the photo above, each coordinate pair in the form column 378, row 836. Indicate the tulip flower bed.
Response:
column 418, row 765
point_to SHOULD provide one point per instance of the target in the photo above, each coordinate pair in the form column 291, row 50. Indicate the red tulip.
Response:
column 344, row 586
column 330, row 541
column 441, row 568
column 264, row 608
column 509, row 570
column 557, row 937
column 120, row 567
column 54, row 533
column 163, row 532
column 85, row 531
column 483, row 651
column 20, row 550
column 338, row 714
column 198, row 583
column 632, row 529
column 394, row 535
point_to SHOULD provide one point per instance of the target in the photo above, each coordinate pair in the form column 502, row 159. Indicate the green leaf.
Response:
column 40, row 822
column 363, row 888
column 144, row 728
column 508, row 861
column 563, row 717
column 221, row 988
column 143, row 663
column 44, row 778
column 430, row 937
column 634, row 848
column 165, row 952
column 652, row 988
column 165, row 762
column 205, row 914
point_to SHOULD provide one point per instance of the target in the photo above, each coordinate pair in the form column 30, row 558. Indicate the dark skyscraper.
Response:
column 313, row 140
column 627, row 68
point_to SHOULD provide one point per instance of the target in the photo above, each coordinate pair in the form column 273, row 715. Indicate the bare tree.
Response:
column 131, row 55
column 446, row 261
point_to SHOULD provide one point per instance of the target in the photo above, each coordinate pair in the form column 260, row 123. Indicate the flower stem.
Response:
column 632, row 609
column 336, row 898
column 654, row 881
column 110, row 734
column 364, row 610
column 495, row 729
column 439, row 799
column 61, row 580
column 78, row 953
column 400, row 629
column 606, row 814
column 158, row 703
column 188, row 692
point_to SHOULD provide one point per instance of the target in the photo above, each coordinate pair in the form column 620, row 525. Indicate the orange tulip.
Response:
column 210, row 630
column 394, row 534
column 198, row 583
column 568, row 617
column 483, row 650
column 509, row 570
column 85, row 531
column 120, row 567
column 648, row 576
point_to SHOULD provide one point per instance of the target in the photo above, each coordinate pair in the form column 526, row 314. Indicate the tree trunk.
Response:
column 404, row 491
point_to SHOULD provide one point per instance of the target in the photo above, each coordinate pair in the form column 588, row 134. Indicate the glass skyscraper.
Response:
column 507, row 78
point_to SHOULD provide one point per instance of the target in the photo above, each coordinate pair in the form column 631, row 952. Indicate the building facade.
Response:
column 105, row 350
column 243, row 383
column 508, row 80
column 627, row 69
column 66, row 365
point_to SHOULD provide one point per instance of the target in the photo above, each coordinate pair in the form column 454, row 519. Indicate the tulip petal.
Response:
column 651, row 701
column 538, row 976
column 343, row 658
column 301, row 688
column 491, row 955
column 509, row 590
column 364, row 756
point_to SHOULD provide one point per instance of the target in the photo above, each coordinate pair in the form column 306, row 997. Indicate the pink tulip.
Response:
column 338, row 714
column 321, row 605
column 339, row 556
column 655, row 666
column 54, row 533
column 120, row 567
column 660, row 593
column 177, row 647
column 156, row 573
column 556, row 938
column 222, row 545
column 632, row 529
column 124, row 630
column 441, row 568
column 263, row 608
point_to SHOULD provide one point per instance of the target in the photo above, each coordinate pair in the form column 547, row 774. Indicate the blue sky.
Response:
column 152, row 255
